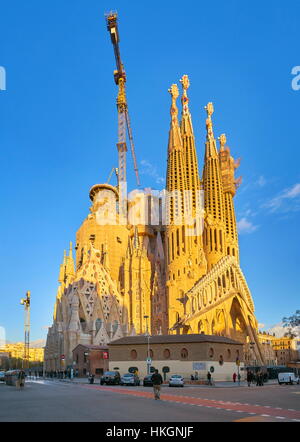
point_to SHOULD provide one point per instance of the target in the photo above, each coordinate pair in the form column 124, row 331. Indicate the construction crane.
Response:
column 123, row 115
column 26, row 303
column 114, row 169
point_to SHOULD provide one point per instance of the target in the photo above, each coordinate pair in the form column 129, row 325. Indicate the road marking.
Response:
column 189, row 400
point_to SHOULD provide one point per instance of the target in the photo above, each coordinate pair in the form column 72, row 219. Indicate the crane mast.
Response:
column 123, row 115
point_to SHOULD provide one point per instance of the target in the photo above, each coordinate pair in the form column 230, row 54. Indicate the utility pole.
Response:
column 26, row 303
column 148, row 346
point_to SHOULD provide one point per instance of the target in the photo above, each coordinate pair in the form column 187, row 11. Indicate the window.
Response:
column 228, row 353
column 184, row 353
column 133, row 354
column 167, row 353
column 221, row 360
column 211, row 352
column 151, row 353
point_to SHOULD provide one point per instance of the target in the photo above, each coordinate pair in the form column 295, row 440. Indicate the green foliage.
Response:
column 292, row 321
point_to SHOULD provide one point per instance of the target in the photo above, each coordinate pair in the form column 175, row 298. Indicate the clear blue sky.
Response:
column 58, row 129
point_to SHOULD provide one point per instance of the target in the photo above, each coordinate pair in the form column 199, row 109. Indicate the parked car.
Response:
column 2, row 376
column 287, row 378
column 176, row 380
column 147, row 382
column 110, row 377
column 130, row 379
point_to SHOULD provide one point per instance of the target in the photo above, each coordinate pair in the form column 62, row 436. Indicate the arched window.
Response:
column 228, row 353
column 184, row 353
column 211, row 352
column 221, row 360
column 133, row 354
column 151, row 353
column 167, row 353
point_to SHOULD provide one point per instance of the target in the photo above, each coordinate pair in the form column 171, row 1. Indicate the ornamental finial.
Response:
column 210, row 110
column 185, row 82
column 223, row 140
column 184, row 99
column 174, row 93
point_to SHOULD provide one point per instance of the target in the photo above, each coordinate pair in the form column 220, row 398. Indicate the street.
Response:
column 57, row 401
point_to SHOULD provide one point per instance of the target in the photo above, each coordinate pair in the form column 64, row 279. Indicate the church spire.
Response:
column 214, row 232
column 211, row 147
column 189, row 149
column 70, row 272
column 176, row 163
column 230, row 184
column 186, row 120
column 62, row 269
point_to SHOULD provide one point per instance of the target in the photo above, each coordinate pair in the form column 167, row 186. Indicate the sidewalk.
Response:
column 217, row 384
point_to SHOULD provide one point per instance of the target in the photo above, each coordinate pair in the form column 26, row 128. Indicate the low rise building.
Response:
column 278, row 350
column 16, row 350
column 186, row 355
column 90, row 359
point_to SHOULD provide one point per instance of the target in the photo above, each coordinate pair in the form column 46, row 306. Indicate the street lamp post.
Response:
column 148, row 346
column 26, row 303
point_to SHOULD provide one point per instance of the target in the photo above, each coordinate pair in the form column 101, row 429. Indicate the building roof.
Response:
column 174, row 339
column 91, row 347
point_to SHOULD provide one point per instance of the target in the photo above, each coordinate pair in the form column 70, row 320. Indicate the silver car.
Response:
column 176, row 380
column 130, row 379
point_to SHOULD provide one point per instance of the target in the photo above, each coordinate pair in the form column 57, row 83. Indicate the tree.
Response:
column 291, row 323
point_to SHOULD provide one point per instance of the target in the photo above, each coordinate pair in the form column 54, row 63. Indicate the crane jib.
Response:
column 123, row 115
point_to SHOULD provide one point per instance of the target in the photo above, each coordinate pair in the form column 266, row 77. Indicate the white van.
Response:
column 287, row 378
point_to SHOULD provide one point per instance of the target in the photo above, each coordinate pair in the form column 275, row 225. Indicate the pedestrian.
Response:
column 249, row 377
column 21, row 379
column 192, row 378
column 261, row 379
column 239, row 378
column 234, row 377
column 209, row 378
column 258, row 379
column 157, row 380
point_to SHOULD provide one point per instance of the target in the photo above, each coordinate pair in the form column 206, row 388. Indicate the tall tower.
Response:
column 214, row 231
column 175, row 234
column 137, row 280
column 193, row 198
column 230, row 184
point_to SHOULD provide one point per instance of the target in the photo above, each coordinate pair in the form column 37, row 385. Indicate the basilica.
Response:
column 159, row 262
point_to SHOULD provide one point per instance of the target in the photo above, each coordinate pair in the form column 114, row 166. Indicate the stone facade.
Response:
column 170, row 266
column 182, row 354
